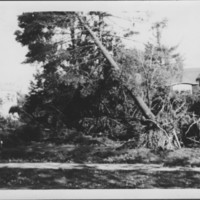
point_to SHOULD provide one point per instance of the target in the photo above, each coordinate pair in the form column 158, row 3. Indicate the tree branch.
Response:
column 191, row 126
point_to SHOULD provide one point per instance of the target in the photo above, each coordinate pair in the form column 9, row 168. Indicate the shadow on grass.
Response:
column 48, row 152
column 177, row 161
column 40, row 152
column 90, row 178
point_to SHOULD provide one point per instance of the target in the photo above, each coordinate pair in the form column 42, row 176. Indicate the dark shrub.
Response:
column 28, row 133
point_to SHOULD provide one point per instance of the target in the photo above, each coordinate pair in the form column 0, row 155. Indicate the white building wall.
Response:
column 182, row 88
column 7, row 99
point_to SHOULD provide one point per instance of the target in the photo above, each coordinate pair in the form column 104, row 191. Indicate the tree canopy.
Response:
column 77, row 86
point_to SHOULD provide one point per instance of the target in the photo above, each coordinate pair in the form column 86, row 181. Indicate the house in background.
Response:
column 8, row 97
column 190, row 81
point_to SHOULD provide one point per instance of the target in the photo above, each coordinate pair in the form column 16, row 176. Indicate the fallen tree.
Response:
column 95, row 83
column 138, row 99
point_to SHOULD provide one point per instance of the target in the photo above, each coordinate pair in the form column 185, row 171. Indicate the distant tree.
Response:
column 158, row 65
column 1, row 101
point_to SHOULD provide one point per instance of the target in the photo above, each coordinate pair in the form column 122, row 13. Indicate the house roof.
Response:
column 184, row 83
column 190, row 75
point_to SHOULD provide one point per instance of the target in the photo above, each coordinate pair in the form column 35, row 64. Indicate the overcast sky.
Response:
column 183, row 29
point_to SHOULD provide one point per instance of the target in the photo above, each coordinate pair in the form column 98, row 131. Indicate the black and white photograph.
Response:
column 100, row 95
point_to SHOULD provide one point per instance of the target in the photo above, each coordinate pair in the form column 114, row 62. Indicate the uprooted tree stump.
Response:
column 157, row 139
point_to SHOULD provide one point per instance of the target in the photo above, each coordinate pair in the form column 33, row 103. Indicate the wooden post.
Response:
column 142, row 105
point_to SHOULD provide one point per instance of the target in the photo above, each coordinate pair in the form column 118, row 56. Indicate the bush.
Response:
column 28, row 133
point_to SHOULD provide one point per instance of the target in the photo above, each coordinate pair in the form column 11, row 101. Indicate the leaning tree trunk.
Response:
column 142, row 105
column 138, row 99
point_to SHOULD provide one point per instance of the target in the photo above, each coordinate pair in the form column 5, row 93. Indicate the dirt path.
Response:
column 107, row 167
